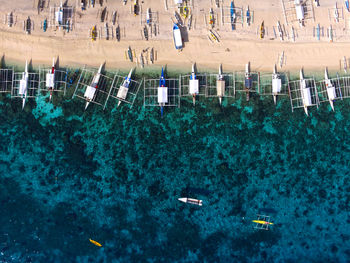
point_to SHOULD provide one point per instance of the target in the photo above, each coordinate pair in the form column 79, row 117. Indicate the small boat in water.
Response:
column 330, row 89
column 23, row 85
column 95, row 242
column 305, row 92
column 162, row 93
column 124, row 88
column 276, row 84
column 177, row 37
column 262, row 222
column 90, row 92
column 191, row 201
column 194, row 85
column 220, row 85
column 50, row 79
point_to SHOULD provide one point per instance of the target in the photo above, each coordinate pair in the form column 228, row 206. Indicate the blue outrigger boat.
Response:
column 233, row 16
column 347, row 5
column 162, row 93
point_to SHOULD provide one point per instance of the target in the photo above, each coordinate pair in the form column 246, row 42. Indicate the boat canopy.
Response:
column 194, row 86
column 22, row 87
column 331, row 91
column 90, row 92
column 306, row 97
column 162, row 94
column 122, row 92
column 177, row 37
column 299, row 10
column 276, row 85
column 220, row 88
column 50, row 80
column 59, row 16
column 248, row 83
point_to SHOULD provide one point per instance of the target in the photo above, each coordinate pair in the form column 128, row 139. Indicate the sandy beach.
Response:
column 234, row 50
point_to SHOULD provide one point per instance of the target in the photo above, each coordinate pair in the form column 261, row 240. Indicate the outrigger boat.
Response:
column 305, row 93
column 336, row 13
column 178, row 18
column 117, row 33
column 162, row 93
column 93, row 33
column 211, row 18
column 220, row 85
column 248, row 18
column 262, row 30
column 145, row 32
column 148, row 17
column 194, row 85
column 189, row 23
column 247, row 80
column 330, row 32
column 50, row 79
column 177, row 37
column 136, row 7
column 90, row 92
column 318, row 31
column 124, row 88
column 151, row 55
column 114, row 18
column 262, row 222
column 292, row 33
column 330, row 89
column 276, row 84
column 280, row 31
column 191, row 201
column 347, row 6
column 107, row 31
column 10, row 19
column 95, row 242
column 317, row 3
column 45, row 25
column 142, row 62
column 232, row 15
column 23, row 85
column 28, row 25
column 130, row 54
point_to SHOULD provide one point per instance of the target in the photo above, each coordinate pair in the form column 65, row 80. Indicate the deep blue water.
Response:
column 115, row 175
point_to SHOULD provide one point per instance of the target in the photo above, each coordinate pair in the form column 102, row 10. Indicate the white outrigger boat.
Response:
column 220, row 85
column 124, row 88
column 305, row 92
column 90, row 92
column 23, row 85
column 194, row 84
column 148, row 17
column 191, row 201
column 162, row 93
column 276, row 84
column 50, row 79
column 332, row 95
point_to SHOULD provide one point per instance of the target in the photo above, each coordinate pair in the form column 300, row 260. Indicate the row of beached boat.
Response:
column 90, row 92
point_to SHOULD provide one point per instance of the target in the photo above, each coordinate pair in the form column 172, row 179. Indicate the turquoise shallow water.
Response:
column 115, row 176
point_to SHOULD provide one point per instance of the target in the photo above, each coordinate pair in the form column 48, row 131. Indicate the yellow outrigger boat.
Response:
column 262, row 222
column 262, row 30
column 93, row 33
column 95, row 242
column 184, row 10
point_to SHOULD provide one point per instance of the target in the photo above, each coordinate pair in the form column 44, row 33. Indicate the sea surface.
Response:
column 115, row 175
